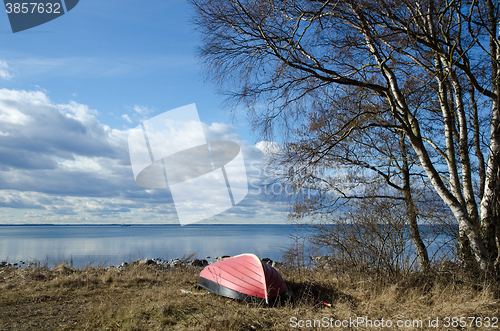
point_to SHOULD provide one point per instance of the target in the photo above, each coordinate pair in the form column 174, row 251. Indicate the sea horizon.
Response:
column 145, row 224
column 112, row 244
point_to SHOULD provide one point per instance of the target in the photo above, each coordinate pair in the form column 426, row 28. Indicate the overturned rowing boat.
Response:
column 243, row 277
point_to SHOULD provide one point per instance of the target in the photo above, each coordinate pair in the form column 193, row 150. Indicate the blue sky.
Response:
column 71, row 89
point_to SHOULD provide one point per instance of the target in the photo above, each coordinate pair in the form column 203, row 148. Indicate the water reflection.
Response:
column 112, row 245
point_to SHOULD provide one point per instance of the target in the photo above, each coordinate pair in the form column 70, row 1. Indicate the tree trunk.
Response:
column 489, row 222
column 412, row 129
column 464, row 252
column 423, row 256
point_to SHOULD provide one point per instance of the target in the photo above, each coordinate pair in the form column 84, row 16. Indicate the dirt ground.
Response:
column 155, row 298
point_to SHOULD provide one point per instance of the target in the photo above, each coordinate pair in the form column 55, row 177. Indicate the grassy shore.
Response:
column 143, row 297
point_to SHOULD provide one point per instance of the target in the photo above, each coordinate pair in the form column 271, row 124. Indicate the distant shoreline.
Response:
column 140, row 224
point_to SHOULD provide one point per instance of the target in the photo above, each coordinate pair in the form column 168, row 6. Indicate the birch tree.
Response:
column 276, row 56
column 367, row 160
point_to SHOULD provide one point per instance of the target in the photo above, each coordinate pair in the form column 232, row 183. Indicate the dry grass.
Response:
column 150, row 298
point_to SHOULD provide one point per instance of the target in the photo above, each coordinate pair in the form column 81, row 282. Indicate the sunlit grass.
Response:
column 150, row 298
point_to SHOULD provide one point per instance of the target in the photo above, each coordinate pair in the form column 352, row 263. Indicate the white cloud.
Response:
column 62, row 165
column 268, row 147
column 12, row 116
column 140, row 113
column 79, row 112
column 125, row 117
column 11, row 102
column 143, row 110
column 4, row 70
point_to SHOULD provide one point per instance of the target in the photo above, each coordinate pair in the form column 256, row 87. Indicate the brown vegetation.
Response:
column 143, row 297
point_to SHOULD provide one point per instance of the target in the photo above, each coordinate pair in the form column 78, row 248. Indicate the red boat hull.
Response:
column 243, row 277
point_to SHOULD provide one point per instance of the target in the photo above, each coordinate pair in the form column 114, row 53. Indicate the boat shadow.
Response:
column 308, row 293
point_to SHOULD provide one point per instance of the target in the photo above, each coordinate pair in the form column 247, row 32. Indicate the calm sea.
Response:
column 105, row 245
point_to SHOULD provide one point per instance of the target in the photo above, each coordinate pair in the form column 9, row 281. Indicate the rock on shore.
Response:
column 172, row 263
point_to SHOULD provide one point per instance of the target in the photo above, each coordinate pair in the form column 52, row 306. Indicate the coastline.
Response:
column 160, row 262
